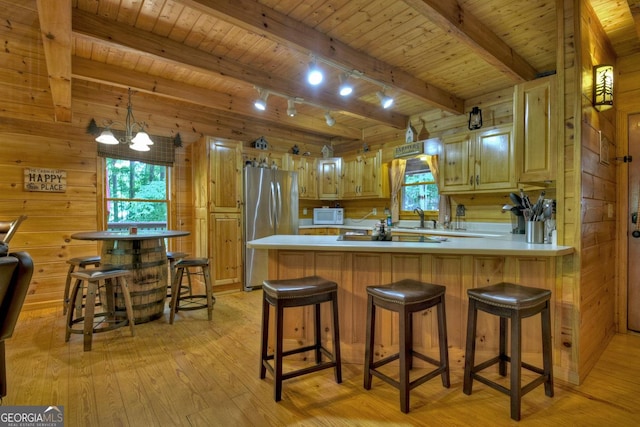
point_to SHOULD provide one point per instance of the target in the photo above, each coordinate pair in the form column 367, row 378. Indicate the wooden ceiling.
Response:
column 208, row 56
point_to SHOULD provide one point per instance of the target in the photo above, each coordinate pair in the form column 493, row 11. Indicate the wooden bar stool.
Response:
column 79, row 263
column 98, row 280
column 189, row 301
column 280, row 294
column 405, row 298
column 510, row 301
column 173, row 258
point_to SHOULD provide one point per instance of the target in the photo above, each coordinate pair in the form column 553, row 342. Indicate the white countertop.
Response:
column 508, row 244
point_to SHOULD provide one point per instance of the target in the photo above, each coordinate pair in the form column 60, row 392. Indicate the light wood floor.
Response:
column 200, row 373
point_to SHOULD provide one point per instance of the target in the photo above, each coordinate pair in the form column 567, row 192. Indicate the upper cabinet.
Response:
column 225, row 175
column 307, row 177
column 478, row 161
column 329, row 173
column 535, row 127
column 362, row 175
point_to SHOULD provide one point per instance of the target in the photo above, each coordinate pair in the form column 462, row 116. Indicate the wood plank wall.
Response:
column 598, row 189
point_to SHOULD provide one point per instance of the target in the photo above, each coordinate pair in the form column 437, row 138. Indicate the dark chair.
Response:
column 79, row 263
column 406, row 297
column 188, row 301
column 510, row 302
column 16, row 270
column 305, row 291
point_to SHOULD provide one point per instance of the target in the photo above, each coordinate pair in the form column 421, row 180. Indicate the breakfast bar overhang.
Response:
column 459, row 263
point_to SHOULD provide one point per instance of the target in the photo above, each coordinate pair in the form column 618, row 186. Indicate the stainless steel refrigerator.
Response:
column 270, row 207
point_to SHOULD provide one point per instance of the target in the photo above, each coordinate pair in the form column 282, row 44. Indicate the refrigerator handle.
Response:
column 278, row 206
column 272, row 207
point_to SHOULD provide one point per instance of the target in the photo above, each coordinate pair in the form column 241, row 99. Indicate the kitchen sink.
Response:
column 400, row 238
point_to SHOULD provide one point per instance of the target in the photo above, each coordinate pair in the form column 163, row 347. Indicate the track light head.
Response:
column 330, row 120
column 385, row 100
column 261, row 102
column 345, row 88
column 291, row 108
column 314, row 76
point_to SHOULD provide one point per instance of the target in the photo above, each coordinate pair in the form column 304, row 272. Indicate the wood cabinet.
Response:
column 329, row 172
column 225, row 241
column 478, row 161
column 307, row 176
column 362, row 176
column 217, row 175
column 535, row 130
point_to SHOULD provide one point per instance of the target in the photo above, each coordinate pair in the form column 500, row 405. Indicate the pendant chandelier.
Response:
column 139, row 142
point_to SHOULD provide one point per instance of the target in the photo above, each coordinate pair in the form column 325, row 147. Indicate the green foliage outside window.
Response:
column 136, row 192
column 419, row 189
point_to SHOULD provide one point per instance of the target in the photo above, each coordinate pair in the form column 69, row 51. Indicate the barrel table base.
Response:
column 147, row 262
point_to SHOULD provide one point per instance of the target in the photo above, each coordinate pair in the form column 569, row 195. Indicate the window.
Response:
column 419, row 189
column 136, row 194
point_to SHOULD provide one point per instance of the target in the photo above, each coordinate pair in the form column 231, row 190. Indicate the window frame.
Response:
column 411, row 214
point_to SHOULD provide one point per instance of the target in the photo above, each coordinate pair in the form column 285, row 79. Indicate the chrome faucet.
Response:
column 420, row 213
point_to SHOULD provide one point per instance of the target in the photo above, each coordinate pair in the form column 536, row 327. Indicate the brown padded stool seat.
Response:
column 311, row 290
column 180, row 301
column 515, row 302
column 406, row 297
column 79, row 263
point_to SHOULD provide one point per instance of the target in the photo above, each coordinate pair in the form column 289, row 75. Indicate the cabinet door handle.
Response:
column 471, row 181
column 477, row 179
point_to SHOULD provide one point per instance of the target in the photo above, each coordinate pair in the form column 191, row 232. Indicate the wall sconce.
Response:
column 475, row 118
column 602, row 87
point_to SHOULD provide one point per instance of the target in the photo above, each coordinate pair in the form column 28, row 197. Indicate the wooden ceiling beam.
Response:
column 226, row 105
column 125, row 37
column 55, row 26
column 634, row 7
column 274, row 25
column 455, row 20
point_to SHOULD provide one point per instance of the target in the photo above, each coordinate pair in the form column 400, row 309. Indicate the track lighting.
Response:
column 345, row 87
column 261, row 102
column 314, row 76
column 385, row 100
column 330, row 120
column 291, row 108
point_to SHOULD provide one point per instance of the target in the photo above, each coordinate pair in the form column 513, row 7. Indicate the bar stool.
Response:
column 79, row 263
column 181, row 301
column 172, row 258
column 406, row 297
column 510, row 301
column 281, row 294
column 97, row 280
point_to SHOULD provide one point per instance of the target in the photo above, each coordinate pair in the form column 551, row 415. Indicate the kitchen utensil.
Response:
column 515, row 199
column 506, row 208
column 636, row 232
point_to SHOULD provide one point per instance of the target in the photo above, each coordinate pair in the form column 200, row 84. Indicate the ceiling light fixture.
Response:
column 261, row 102
column 291, row 108
column 385, row 100
column 314, row 76
column 345, row 88
column 602, row 87
column 475, row 118
column 139, row 142
column 330, row 120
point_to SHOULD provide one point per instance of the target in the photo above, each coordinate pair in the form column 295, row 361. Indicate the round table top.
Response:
column 124, row 235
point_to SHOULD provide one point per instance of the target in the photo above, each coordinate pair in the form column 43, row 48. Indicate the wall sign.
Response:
column 48, row 180
column 409, row 149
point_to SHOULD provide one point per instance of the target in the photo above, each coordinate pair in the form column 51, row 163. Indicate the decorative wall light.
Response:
column 139, row 142
column 602, row 87
column 330, row 120
column 475, row 118
column 345, row 88
column 314, row 76
column 385, row 100
column 261, row 102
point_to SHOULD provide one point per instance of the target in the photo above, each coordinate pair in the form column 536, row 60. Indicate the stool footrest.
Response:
column 412, row 384
column 524, row 389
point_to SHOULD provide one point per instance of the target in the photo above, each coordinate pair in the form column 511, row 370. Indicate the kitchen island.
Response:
column 459, row 263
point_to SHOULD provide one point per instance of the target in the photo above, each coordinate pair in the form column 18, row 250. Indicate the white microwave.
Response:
column 328, row 216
